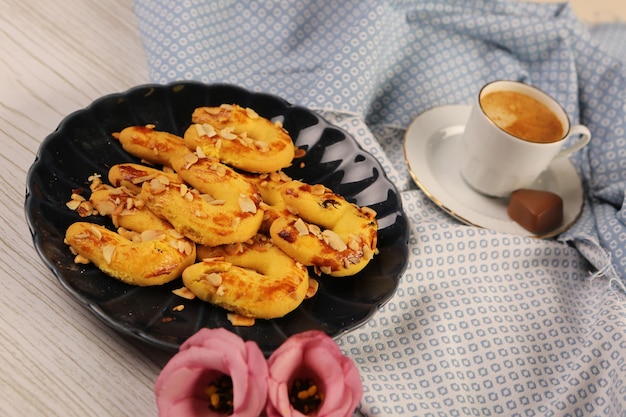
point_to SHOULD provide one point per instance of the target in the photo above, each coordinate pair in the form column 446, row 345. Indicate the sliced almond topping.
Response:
column 334, row 241
column 315, row 230
column 301, row 227
column 200, row 152
column 190, row 159
column 96, row 232
column 156, row 186
column 227, row 133
column 72, row 204
column 239, row 320
column 205, row 129
column 163, row 179
column 80, row 259
column 284, row 177
column 107, row 253
column 326, row 269
column 246, row 204
column 251, row 113
column 184, row 292
column 183, row 190
column 148, row 235
column 313, row 287
column 213, row 278
column 144, row 178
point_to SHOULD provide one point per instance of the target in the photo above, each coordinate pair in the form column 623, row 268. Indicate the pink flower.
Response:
column 206, row 360
column 306, row 360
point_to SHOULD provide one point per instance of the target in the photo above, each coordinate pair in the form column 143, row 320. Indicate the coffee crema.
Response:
column 522, row 116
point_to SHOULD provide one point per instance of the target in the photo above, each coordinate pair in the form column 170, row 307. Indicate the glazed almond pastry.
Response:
column 151, row 145
column 126, row 210
column 163, row 255
column 222, row 218
column 131, row 176
column 241, row 138
column 269, row 186
column 254, row 279
column 325, row 231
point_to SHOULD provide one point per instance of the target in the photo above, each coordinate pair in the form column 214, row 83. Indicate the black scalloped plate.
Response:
column 82, row 145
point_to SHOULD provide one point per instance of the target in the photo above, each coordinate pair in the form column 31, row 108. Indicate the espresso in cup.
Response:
column 513, row 133
column 522, row 116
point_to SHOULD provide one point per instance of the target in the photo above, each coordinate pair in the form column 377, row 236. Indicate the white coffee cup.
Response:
column 509, row 149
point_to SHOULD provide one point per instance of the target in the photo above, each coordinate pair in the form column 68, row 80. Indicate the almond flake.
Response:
column 190, row 159
column 213, row 278
column 80, row 259
column 144, row 178
column 251, row 113
column 227, row 133
column 301, row 227
column 200, row 152
column 246, row 204
column 148, row 235
column 107, row 253
column 239, row 320
column 184, row 292
column 334, row 241
column 96, row 232
column 313, row 287
column 73, row 204
column 205, row 129
column 156, row 186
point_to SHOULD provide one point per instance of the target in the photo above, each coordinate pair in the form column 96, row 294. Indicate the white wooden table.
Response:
column 56, row 358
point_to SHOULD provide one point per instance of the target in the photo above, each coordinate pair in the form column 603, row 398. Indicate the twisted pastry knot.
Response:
column 239, row 137
column 253, row 278
column 324, row 230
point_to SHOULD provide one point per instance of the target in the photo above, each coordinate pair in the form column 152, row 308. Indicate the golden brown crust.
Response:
column 131, row 176
column 254, row 279
column 201, row 218
column 325, row 231
column 240, row 138
column 153, row 262
column 151, row 145
column 126, row 210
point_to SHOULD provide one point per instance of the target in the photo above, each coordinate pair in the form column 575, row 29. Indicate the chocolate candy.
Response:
column 535, row 210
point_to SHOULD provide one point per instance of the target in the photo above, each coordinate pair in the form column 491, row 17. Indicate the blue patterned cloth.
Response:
column 483, row 323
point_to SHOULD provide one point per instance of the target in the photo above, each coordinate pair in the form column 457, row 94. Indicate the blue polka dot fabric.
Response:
column 483, row 323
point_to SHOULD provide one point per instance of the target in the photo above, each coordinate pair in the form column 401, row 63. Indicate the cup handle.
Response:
column 585, row 137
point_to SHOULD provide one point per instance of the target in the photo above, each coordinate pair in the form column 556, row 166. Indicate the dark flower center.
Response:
column 220, row 395
column 305, row 396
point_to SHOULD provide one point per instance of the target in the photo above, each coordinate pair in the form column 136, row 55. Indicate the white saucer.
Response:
column 432, row 154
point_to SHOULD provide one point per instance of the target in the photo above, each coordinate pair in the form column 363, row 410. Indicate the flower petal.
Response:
column 200, row 361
